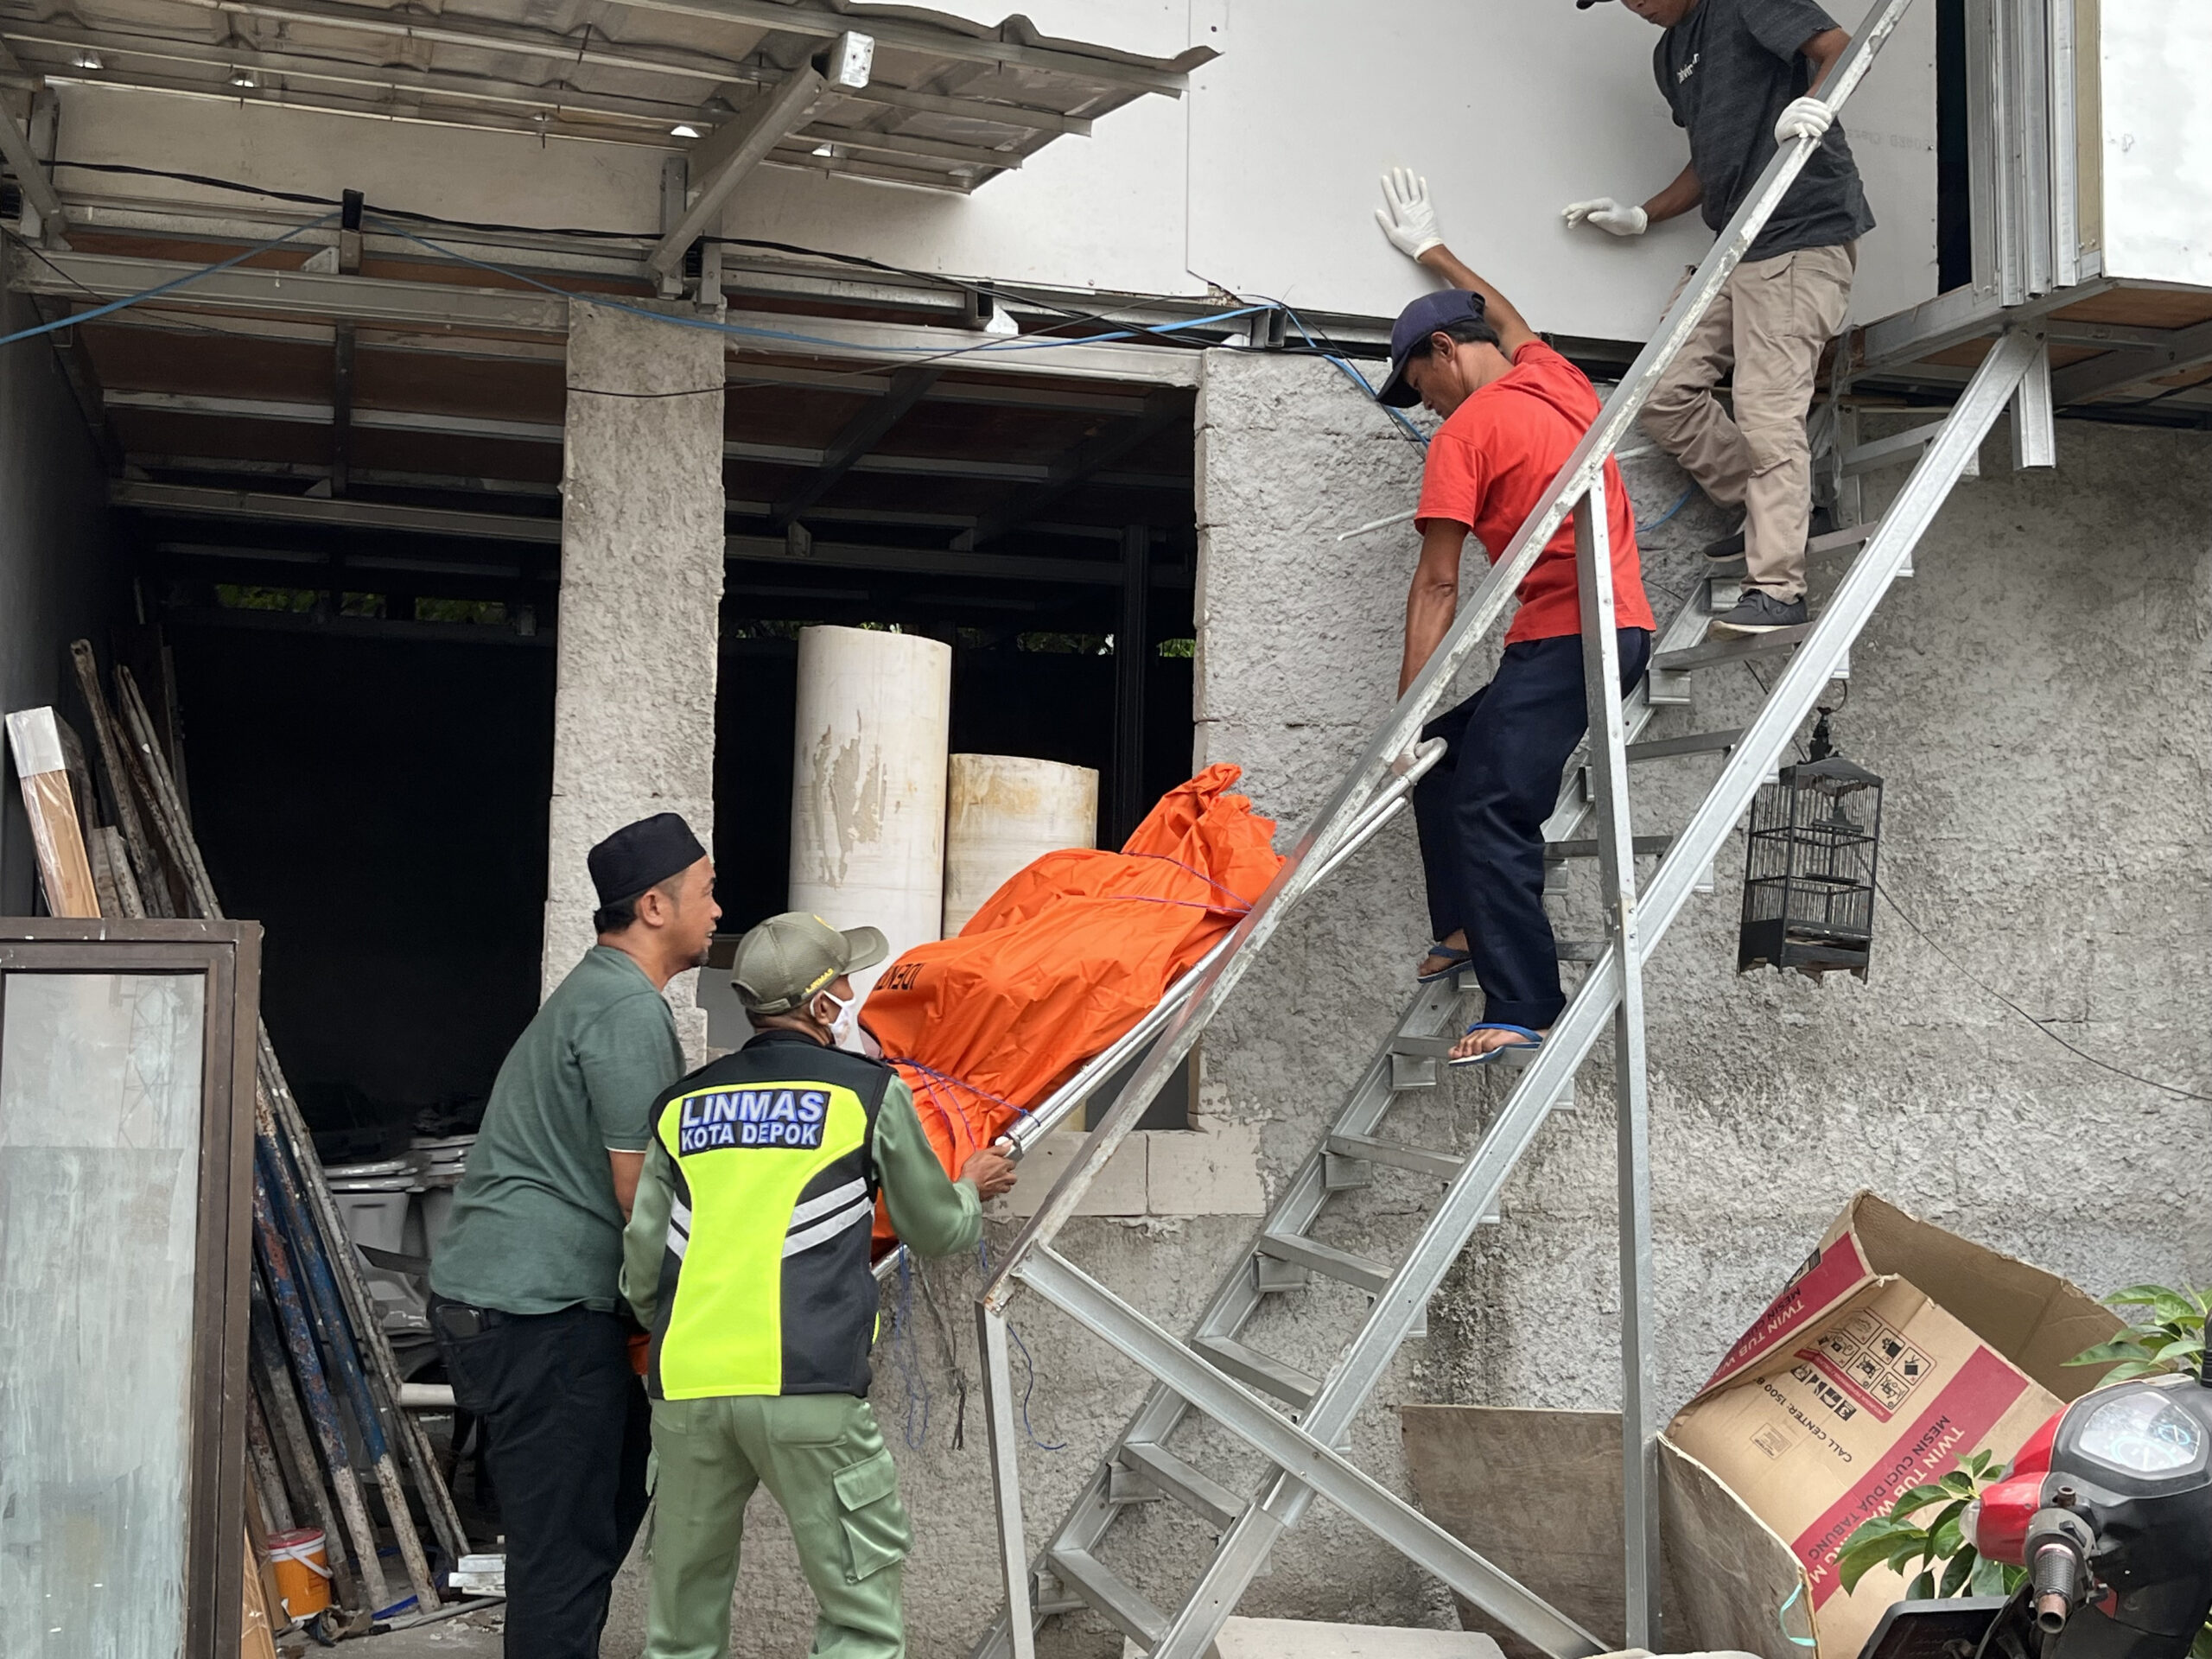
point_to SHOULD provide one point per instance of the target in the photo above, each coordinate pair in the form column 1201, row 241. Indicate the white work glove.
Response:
column 1806, row 118
column 1409, row 221
column 1608, row 215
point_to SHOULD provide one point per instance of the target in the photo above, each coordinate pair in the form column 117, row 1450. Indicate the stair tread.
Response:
column 1734, row 651
column 1587, row 847
column 1343, row 1266
column 1665, row 748
column 1375, row 1150
column 1248, row 1364
column 1193, row 1488
column 1109, row 1592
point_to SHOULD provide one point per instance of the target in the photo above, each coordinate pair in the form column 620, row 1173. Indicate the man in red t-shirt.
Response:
column 1514, row 410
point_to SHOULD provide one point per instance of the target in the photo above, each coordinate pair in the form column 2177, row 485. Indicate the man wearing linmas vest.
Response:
column 746, row 1257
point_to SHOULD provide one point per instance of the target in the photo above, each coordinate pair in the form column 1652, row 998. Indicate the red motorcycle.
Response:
column 2109, row 1508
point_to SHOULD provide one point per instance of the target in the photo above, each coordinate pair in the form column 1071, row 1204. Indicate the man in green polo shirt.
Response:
column 525, row 1300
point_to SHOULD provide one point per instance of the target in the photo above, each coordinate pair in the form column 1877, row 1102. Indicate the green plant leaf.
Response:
column 2202, row 1647
column 1945, row 1541
column 1913, row 1499
column 2164, row 1301
column 1904, row 1557
column 1923, row 1588
column 1988, row 1576
column 1960, row 1569
column 1854, row 1563
column 2105, row 1352
column 2181, row 1347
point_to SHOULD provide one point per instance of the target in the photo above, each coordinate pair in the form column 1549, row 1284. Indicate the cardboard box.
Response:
column 1895, row 1351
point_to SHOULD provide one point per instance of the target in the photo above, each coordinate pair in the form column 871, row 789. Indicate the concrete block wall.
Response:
column 641, row 585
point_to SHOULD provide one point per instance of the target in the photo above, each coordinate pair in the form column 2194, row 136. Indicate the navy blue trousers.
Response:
column 1481, row 811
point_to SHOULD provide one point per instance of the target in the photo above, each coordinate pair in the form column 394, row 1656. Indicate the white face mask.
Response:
column 841, row 1027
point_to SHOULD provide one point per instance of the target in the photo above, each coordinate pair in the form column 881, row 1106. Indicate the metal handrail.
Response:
column 1388, row 750
column 1039, row 1122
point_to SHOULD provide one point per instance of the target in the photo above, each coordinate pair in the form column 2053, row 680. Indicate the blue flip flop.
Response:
column 1453, row 961
column 1535, row 1040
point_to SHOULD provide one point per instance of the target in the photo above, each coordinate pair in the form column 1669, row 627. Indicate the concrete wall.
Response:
column 55, row 568
column 641, row 585
column 2036, row 698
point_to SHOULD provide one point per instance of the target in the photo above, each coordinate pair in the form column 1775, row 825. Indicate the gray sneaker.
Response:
column 1758, row 611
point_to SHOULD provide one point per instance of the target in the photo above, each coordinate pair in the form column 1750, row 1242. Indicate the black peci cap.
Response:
column 640, row 856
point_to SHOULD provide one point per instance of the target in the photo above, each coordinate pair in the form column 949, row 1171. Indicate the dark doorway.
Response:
column 380, row 807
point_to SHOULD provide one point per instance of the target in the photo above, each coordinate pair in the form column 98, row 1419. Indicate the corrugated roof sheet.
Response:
column 950, row 104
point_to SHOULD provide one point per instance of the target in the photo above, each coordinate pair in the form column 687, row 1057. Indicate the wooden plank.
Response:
column 1535, row 1493
column 125, row 787
column 256, row 1639
column 65, row 871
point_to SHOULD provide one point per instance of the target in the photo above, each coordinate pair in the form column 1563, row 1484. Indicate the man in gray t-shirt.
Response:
column 525, row 1299
column 1740, row 76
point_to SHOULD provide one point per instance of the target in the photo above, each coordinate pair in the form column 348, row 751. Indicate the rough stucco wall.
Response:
column 2036, row 697
column 53, row 566
column 641, row 583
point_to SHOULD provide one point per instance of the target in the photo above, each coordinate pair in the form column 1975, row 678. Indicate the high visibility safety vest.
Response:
column 765, row 1284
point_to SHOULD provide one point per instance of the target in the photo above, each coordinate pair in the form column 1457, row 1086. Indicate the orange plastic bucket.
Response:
column 302, row 1569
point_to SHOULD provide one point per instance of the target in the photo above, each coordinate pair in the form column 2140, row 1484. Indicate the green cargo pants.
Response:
column 823, row 1461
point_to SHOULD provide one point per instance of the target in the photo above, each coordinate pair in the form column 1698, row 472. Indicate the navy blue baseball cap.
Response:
column 1415, row 324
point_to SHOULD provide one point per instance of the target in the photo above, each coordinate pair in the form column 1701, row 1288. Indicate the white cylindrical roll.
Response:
column 867, row 783
column 1003, row 810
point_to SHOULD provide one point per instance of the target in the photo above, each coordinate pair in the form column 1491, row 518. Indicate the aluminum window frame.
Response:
column 228, row 955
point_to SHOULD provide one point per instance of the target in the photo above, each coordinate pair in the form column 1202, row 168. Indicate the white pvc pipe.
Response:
column 867, row 783
column 1001, row 812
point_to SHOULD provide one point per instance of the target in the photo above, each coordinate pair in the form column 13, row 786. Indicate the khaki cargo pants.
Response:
column 822, row 1459
column 1770, row 324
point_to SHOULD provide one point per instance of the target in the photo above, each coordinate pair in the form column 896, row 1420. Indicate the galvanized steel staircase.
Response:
column 1299, row 1420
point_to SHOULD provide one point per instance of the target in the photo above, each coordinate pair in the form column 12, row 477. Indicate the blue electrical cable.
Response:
column 170, row 287
column 1645, row 529
column 1351, row 371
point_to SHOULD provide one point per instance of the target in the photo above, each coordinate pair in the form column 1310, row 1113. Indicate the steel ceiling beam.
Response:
column 31, row 176
column 862, row 434
column 743, row 376
column 2182, row 348
column 322, row 512
column 451, row 28
column 1088, row 461
column 198, row 501
column 290, row 411
column 381, row 301
column 725, row 155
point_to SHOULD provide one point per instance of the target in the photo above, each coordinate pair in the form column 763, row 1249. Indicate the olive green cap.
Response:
column 788, row 958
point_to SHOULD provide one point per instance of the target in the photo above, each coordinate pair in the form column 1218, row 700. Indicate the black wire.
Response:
column 489, row 227
column 203, row 179
column 1968, row 974
column 687, row 391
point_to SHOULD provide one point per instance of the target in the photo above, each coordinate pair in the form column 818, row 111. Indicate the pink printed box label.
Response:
column 1824, row 1281
column 1955, row 1422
